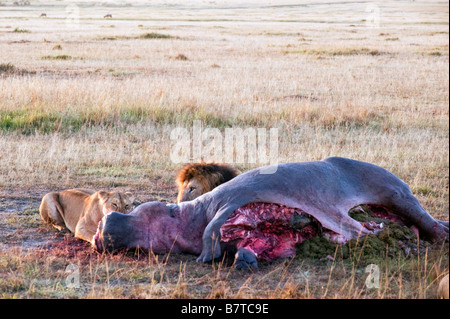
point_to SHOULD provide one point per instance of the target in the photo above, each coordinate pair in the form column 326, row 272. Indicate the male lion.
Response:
column 196, row 179
column 80, row 210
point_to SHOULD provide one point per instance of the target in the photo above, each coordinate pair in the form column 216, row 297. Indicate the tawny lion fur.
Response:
column 80, row 210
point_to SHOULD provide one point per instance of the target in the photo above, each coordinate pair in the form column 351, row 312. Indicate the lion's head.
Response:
column 196, row 179
column 116, row 202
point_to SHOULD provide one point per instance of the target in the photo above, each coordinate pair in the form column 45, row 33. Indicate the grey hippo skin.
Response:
column 326, row 189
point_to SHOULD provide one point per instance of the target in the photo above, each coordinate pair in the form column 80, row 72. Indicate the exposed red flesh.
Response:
column 382, row 212
column 266, row 230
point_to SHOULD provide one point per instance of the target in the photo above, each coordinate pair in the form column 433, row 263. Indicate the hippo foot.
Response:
column 203, row 258
column 440, row 232
column 208, row 256
column 245, row 259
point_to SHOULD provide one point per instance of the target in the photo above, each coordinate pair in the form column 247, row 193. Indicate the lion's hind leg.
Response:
column 51, row 211
column 83, row 232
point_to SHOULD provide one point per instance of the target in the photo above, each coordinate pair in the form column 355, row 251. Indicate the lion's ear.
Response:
column 103, row 196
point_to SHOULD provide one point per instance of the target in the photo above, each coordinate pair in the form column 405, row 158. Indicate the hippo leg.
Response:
column 211, row 236
column 409, row 207
column 444, row 223
column 245, row 259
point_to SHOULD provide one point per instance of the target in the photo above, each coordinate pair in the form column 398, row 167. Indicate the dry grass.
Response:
column 44, row 273
column 99, row 111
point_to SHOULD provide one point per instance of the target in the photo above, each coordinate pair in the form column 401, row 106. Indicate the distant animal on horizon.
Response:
column 43, row 14
column 108, row 15
column 196, row 179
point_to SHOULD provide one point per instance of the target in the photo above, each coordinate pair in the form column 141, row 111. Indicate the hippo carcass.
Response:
column 322, row 191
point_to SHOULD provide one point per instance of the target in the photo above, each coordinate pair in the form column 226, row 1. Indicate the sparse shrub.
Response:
column 7, row 68
column 17, row 30
column 336, row 52
column 21, row 3
column 10, row 69
column 57, row 47
column 347, row 52
column 154, row 35
column 57, row 57
column 181, row 57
